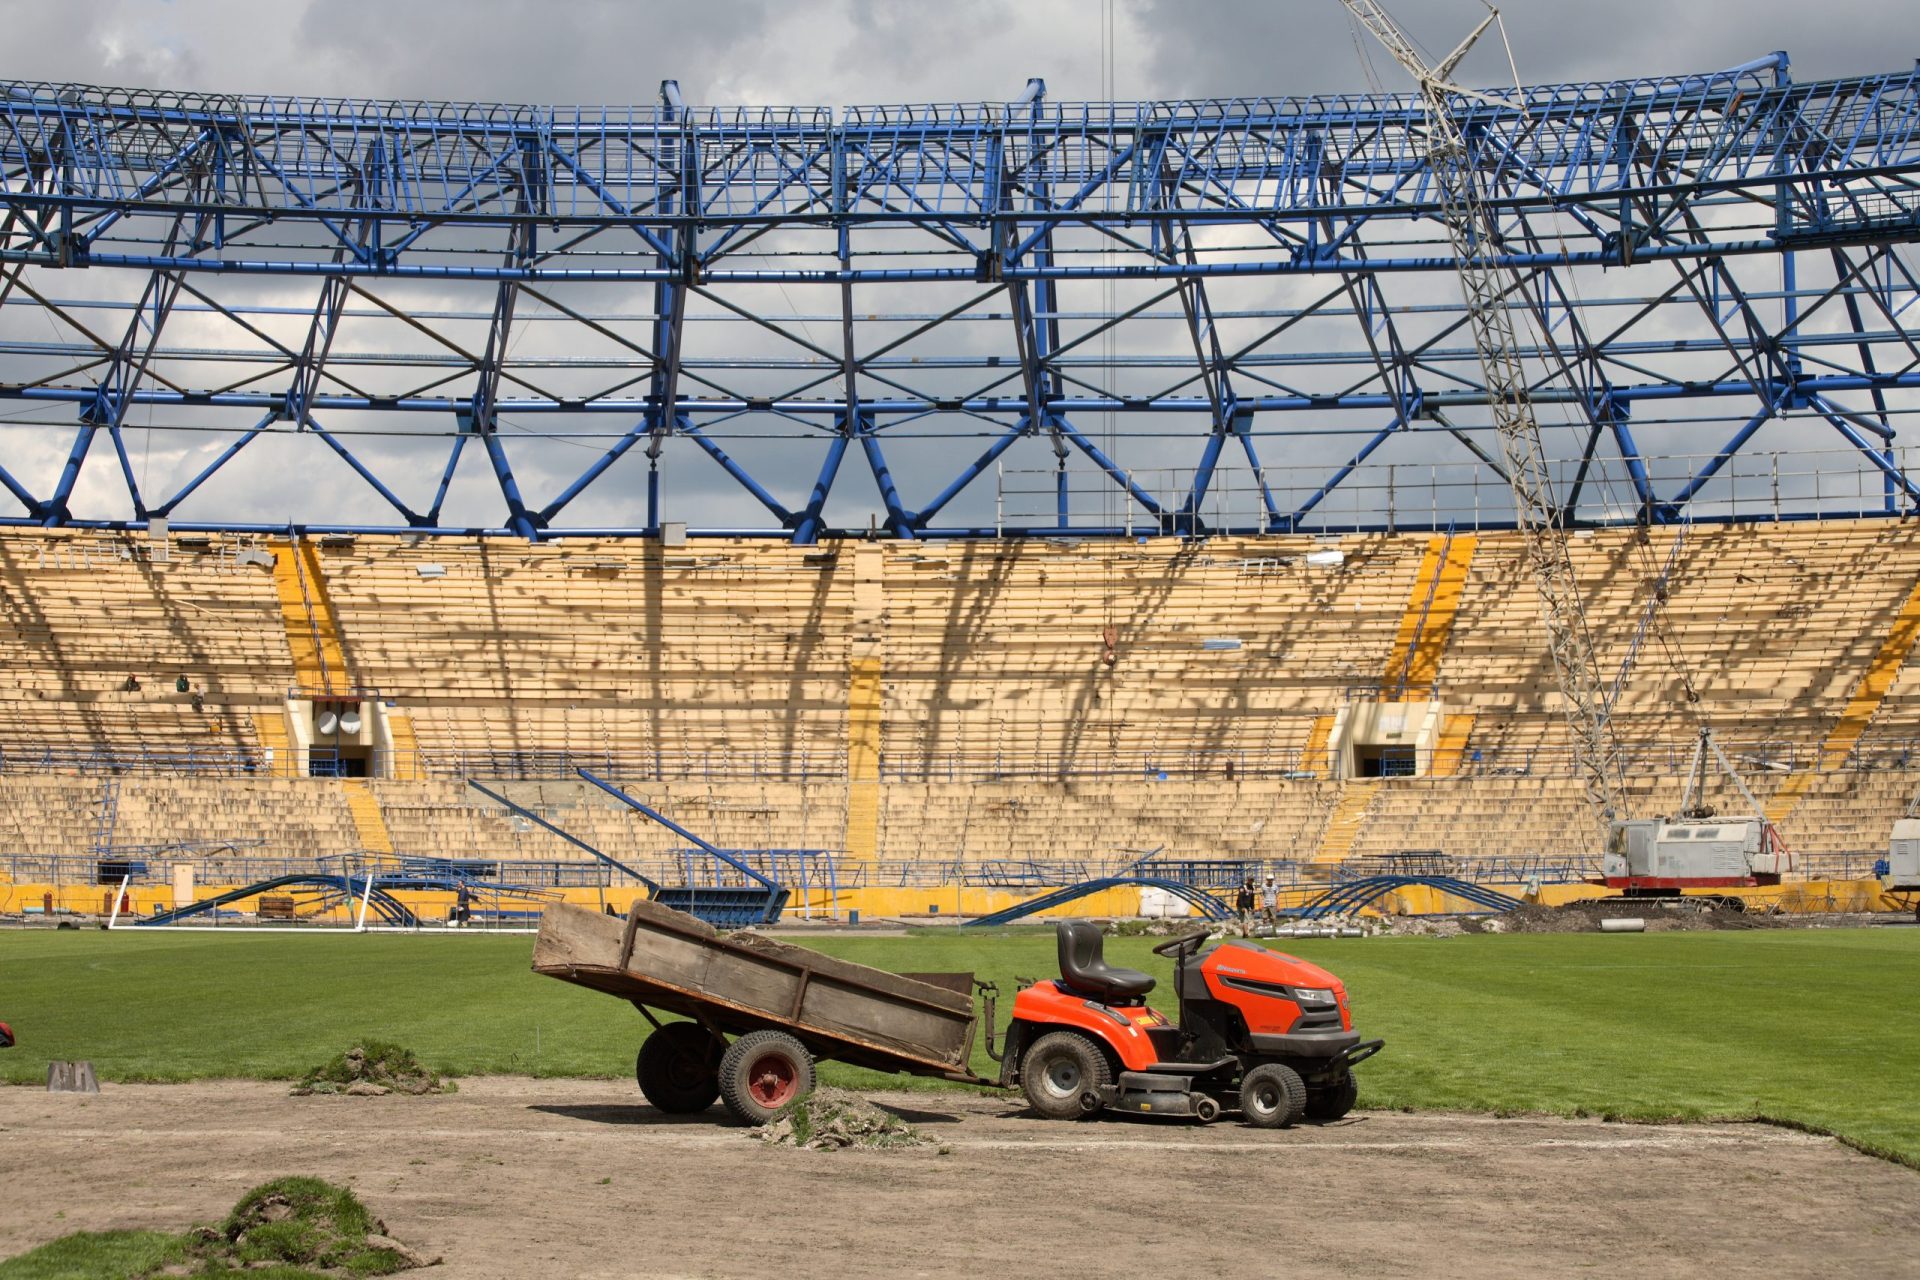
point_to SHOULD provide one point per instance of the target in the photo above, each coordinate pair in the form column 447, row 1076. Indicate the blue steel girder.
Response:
column 669, row 322
column 1725, row 177
column 1256, row 156
column 1585, row 370
column 128, row 367
column 1033, row 304
column 1224, row 414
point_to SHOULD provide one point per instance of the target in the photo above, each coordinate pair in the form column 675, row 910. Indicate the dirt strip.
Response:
column 513, row 1177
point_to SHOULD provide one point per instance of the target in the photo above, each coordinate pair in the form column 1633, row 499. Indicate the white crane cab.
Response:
column 1665, row 855
column 1903, row 858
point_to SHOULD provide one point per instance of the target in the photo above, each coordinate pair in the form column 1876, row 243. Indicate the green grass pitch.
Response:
column 1809, row 1026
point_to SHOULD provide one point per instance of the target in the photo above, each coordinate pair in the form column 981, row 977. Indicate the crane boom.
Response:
column 1475, row 236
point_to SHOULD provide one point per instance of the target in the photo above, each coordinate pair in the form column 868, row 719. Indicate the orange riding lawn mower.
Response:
column 1259, row 1031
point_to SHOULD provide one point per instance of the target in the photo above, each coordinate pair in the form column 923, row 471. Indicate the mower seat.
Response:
column 1084, row 970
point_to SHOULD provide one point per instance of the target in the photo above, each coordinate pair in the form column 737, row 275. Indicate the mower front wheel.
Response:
column 1334, row 1101
column 1273, row 1096
column 1063, row 1075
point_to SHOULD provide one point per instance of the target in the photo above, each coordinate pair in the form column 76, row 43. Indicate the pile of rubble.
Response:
column 830, row 1119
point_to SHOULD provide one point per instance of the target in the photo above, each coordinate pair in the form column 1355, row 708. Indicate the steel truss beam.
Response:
column 1697, row 259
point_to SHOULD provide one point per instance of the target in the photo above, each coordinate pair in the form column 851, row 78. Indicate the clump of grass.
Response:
column 105, row 1255
column 373, row 1067
column 304, row 1222
column 287, row 1229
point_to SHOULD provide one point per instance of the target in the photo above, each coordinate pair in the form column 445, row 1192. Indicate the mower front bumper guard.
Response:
column 1352, row 1056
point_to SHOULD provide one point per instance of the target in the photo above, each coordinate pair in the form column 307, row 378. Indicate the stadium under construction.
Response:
column 934, row 507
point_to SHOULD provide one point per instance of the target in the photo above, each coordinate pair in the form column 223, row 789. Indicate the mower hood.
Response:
column 1245, row 960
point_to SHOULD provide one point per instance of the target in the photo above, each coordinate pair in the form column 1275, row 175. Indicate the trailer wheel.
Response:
column 1334, row 1101
column 1061, row 1072
column 678, row 1068
column 1273, row 1096
column 763, row 1072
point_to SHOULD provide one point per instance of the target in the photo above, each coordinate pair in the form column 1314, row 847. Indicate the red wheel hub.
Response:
column 772, row 1080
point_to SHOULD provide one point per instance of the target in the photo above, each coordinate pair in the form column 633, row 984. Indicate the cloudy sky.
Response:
column 838, row 52
column 835, row 53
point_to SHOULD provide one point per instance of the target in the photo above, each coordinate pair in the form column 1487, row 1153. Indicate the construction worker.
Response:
column 1243, row 907
column 1270, row 900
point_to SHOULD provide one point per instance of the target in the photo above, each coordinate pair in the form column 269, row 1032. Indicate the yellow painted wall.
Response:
column 1813, row 896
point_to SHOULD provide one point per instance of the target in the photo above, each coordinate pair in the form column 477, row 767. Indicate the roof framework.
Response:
column 1176, row 317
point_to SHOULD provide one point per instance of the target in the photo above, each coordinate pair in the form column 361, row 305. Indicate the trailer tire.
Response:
column 1334, row 1101
column 762, row 1073
column 678, row 1068
column 1273, row 1096
column 1060, row 1072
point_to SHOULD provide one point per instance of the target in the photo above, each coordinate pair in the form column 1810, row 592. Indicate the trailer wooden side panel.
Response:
column 666, row 959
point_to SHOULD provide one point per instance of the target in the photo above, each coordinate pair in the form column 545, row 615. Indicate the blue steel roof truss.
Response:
column 1285, row 301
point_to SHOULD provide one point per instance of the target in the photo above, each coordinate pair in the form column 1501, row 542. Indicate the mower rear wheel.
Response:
column 762, row 1073
column 678, row 1068
column 1273, row 1096
column 1334, row 1101
column 1061, row 1072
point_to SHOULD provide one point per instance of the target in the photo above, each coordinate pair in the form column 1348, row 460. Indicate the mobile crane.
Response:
column 1645, row 857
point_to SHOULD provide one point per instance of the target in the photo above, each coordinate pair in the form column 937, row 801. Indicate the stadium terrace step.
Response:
column 1342, row 829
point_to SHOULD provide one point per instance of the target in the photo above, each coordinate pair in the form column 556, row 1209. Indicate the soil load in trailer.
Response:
column 787, row 1005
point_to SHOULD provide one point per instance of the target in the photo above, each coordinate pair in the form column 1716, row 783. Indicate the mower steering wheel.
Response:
column 1189, row 941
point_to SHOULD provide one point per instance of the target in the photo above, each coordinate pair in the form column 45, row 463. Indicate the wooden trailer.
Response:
column 786, row 1007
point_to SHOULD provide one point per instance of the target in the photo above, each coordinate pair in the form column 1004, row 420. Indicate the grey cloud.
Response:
column 1241, row 47
column 849, row 51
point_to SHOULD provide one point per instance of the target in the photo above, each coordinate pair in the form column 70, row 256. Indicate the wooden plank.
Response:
column 959, row 983
column 800, row 994
column 754, row 981
column 574, row 936
column 839, row 1007
column 898, row 986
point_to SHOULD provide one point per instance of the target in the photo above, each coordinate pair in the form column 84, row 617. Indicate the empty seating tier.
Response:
column 1017, row 700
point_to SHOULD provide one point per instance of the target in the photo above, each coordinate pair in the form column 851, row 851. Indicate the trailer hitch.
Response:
column 989, row 994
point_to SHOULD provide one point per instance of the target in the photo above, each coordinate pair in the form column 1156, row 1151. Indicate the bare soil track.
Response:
column 513, row 1177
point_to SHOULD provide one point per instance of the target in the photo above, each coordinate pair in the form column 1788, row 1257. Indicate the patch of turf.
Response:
column 375, row 1062
column 1805, row 1026
column 97, row 1255
column 306, row 1222
column 287, row 1229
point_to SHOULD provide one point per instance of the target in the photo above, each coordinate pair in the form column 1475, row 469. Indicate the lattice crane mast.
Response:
column 1475, row 235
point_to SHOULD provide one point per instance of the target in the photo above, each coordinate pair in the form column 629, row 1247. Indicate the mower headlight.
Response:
column 1315, row 996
